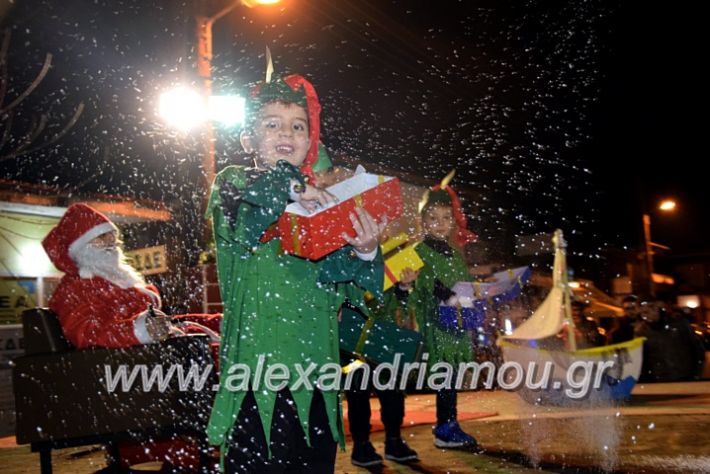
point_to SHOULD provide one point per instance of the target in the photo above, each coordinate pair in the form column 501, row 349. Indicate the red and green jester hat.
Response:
column 294, row 89
column 443, row 193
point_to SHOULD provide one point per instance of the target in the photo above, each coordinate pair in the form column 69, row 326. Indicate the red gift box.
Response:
column 315, row 235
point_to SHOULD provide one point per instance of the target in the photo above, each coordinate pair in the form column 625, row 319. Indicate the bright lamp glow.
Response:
column 183, row 108
column 253, row 3
column 689, row 301
column 667, row 205
column 508, row 327
column 226, row 109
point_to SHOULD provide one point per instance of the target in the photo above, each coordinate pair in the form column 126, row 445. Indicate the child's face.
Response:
column 326, row 178
column 438, row 222
column 280, row 133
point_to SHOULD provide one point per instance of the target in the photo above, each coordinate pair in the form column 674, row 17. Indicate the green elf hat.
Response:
column 277, row 90
column 440, row 197
column 294, row 89
column 323, row 163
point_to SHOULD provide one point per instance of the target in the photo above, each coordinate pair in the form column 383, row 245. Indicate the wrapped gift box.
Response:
column 398, row 256
column 314, row 235
column 504, row 286
column 377, row 341
column 473, row 298
column 457, row 317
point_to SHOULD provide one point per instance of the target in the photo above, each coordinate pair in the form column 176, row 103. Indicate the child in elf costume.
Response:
column 421, row 293
column 280, row 308
column 391, row 401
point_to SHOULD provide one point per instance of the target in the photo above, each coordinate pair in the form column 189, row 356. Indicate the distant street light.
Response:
column 667, row 205
column 253, row 3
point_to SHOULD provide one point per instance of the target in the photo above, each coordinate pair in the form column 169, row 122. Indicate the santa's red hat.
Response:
column 80, row 225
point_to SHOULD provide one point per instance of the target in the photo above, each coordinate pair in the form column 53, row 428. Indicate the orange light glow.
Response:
column 667, row 205
column 254, row 3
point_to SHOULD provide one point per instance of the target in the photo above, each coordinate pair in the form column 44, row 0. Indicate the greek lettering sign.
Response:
column 16, row 295
column 149, row 260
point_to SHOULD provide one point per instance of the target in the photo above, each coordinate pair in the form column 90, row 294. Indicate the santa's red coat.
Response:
column 94, row 312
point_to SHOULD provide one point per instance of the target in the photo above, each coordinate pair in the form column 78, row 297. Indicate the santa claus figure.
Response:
column 101, row 301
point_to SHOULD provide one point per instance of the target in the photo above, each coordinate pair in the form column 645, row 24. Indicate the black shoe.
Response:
column 364, row 455
column 396, row 449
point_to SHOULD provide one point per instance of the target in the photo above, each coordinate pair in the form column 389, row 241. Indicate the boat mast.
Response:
column 561, row 278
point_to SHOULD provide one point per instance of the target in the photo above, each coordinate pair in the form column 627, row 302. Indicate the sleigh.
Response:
column 63, row 396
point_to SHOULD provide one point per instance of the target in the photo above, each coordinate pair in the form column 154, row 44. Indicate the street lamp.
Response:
column 666, row 205
column 185, row 108
column 204, row 70
column 182, row 108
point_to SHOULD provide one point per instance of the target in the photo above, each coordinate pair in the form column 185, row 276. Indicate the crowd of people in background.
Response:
column 674, row 350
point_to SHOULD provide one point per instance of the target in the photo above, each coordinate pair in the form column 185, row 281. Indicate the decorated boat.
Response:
column 547, row 337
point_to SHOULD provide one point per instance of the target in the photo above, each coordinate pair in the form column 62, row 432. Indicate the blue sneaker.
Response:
column 451, row 435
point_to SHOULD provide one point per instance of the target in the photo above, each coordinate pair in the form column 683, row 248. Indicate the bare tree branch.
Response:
column 19, row 152
column 39, row 124
column 35, row 131
column 7, row 133
column 3, row 64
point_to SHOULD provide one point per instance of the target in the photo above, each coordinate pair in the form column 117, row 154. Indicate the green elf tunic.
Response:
column 441, row 345
column 277, row 306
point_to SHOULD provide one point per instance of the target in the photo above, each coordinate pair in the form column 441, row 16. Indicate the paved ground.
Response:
column 665, row 428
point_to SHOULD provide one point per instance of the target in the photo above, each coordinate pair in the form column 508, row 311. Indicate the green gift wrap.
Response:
column 377, row 341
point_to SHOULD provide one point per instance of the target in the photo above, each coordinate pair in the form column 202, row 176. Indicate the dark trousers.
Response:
column 391, row 410
column 290, row 453
column 445, row 406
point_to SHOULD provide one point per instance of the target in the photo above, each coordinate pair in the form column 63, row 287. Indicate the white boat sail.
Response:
column 527, row 344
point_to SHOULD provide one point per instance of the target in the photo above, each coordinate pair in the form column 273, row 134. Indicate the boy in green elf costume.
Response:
column 279, row 308
column 420, row 293
column 391, row 401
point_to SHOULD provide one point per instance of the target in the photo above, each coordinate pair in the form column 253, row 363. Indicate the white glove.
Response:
column 452, row 301
column 466, row 301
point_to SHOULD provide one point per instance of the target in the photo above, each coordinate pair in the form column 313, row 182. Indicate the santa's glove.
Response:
column 159, row 327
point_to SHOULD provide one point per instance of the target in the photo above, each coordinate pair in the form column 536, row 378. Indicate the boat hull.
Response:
column 621, row 364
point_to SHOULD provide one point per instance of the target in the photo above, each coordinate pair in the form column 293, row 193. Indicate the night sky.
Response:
column 555, row 114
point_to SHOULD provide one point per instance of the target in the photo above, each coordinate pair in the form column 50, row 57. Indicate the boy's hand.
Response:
column 313, row 197
column 367, row 231
column 407, row 277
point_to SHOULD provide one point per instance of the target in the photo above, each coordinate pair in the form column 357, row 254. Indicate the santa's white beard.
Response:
column 108, row 263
